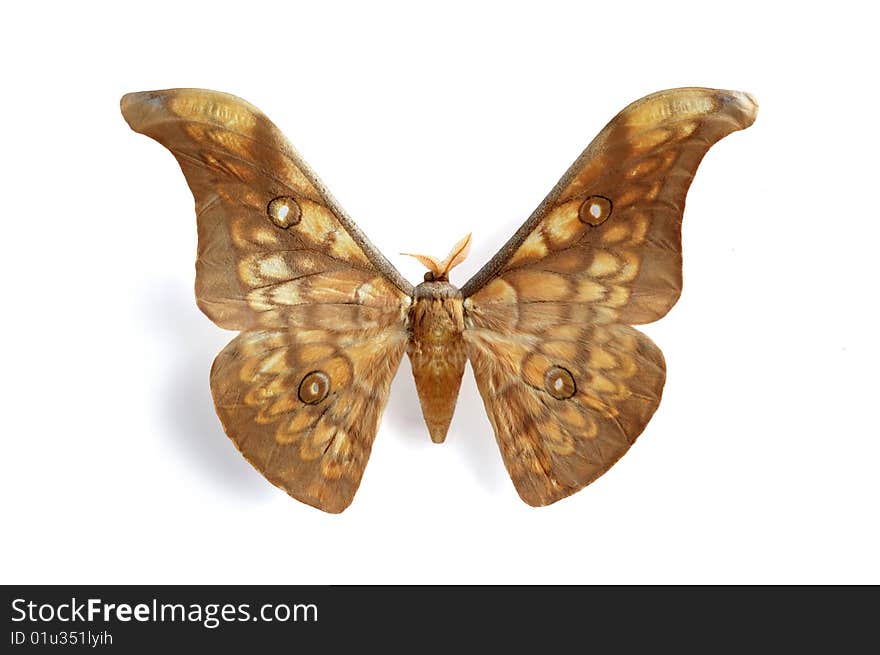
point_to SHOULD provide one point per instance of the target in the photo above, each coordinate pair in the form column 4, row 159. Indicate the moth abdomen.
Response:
column 437, row 352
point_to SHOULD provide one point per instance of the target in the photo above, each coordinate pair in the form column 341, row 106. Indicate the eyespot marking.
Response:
column 595, row 210
column 284, row 211
column 314, row 387
column 559, row 383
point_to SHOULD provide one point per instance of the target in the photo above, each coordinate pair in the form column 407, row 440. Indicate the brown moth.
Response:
column 324, row 318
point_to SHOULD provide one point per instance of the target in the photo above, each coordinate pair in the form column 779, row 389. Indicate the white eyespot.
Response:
column 284, row 210
column 595, row 210
column 314, row 387
column 559, row 383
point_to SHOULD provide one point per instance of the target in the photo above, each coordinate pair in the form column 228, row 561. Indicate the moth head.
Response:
column 438, row 270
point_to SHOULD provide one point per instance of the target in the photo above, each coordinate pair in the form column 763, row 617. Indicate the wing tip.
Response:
column 136, row 105
column 745, row 104
column 127, row 104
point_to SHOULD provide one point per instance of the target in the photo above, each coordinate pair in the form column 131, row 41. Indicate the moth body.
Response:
column 436, row 351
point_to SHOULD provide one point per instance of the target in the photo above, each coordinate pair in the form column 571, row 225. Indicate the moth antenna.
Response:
column 440, row 269
column 431, row 263
column 457, row 255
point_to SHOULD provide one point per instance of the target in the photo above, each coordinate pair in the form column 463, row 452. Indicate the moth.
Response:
column 324, row 318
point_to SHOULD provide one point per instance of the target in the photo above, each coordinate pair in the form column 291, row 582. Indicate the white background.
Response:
column 761, row 465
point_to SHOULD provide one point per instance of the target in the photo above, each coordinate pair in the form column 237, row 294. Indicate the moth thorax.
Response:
column 436, row 289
